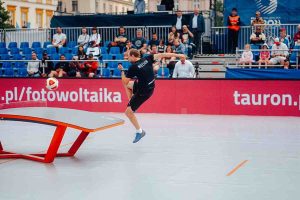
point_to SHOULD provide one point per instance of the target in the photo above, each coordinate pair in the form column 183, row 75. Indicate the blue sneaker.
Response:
column 139, row 136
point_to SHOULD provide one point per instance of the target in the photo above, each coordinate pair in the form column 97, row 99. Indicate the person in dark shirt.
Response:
column 154, row 40
column 139, row 42
column 47, row 66
column 142, row 88
column 81, row 54
column 119, row 41
column 61, row 68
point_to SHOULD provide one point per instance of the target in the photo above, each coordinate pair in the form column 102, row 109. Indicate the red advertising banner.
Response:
column 225, row 97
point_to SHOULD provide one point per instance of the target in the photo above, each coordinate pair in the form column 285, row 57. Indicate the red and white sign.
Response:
column 225, row 97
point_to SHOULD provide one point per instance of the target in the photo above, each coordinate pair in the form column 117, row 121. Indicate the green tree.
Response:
column 4, row 17
column 219, row 13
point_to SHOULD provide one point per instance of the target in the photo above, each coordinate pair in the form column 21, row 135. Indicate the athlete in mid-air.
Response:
column 142, row 88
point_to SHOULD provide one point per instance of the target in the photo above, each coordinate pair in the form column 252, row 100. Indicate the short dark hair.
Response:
column 135, row 53
column 234, row 9
column 154, row 33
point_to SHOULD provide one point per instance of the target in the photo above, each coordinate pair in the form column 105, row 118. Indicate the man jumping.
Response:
column 142, row 88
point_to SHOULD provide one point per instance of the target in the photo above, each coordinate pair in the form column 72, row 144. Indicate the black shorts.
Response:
column 138, row 98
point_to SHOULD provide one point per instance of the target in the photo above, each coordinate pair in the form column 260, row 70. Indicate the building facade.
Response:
column 30, row 13
column 94, row 6
column 184, row 5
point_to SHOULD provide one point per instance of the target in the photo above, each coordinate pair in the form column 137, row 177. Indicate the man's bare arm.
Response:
column 167, row 55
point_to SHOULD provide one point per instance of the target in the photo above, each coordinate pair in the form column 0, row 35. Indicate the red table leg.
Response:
column 74, row 148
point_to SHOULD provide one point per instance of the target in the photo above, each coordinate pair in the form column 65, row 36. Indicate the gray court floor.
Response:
column 183, row 157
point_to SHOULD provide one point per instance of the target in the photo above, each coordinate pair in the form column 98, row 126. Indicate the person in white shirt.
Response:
column 92, row 49
column 95, row 37
column 83, row 39
column 33, row 66
column 59, row 39
column 279, row 52
column 183, row 69
column 179, row 21
column 247, row 56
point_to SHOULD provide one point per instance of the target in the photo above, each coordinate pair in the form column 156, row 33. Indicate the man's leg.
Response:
column 129, row 89
column 131, row 116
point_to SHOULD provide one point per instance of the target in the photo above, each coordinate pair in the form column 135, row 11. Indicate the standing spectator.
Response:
column 93, row 49
column 89, row 68
column 47, row 65
column 198, row 28
column 139, row 41
column 95, row 38
column 178, row 47
column 258, row 37
column 247, row 56
column 179, row 21
column 284, row 38
column 186, row 38
column 174, row 34
column 83, row 39
column 264, row 56
column 61, row 68
column 258, row 20
column 183, row 69
column 139, row 6
column 154, row 40
column 120, row 40
column 33, row 66
column 59, row 39
column 168, row 3
column 161, row 48
column 233, row 30
column 297, row 37
column 81, row 54
column 279, row 53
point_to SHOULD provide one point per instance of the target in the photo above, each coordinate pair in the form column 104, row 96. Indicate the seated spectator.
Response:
column 89, row 68
column 47, row 65
column 120, row 40
column 178, row 47
column 297, row 37
column 93, row 49
column 74, row 68
column 247, row 56
column 61, row 68
column 81, row 54
column 161, row 48
column 279, row 53
column 187, row 38
column 33, row 66
column 174, row 34
column 154, row 40
column 258, row 20
column 153, row 50
column 183, row 69
column 170, row 62
column 139, row 41
column 83, row 39
column 264, row 56
column 284, row 38
column 258, row 37
column 127, row 49
column 59, row 39
column 95, row 38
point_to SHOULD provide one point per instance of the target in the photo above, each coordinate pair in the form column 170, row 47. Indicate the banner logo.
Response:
column 267, row 9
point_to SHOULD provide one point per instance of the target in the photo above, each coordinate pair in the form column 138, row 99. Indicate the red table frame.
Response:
column 56, row 140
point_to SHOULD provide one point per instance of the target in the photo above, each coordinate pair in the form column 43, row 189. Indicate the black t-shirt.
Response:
column 143, row 71
column 139, row 42
column 153, row 42
column 121, row 36
column 63, row 65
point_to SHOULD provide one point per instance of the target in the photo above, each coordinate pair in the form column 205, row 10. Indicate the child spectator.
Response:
column 247, row 56
column 264, row 56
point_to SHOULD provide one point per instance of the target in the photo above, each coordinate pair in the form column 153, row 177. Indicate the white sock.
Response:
column 139, row 130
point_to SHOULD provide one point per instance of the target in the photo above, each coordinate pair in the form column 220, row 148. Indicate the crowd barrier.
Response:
column 219, row 97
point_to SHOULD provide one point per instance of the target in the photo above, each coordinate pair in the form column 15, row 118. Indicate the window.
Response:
column 176, row 4
column 97, row 6
column 196, row 3
column 39, row 18
column 24, row 17
column 116, row 9
column 59, row 6
column 12, row 13
column 49, row 14
column 110, row 8
column 104, row 8
column 75, row 6
column 123, row 10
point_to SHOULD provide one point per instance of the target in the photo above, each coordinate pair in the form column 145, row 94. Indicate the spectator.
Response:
column 198, row 28
column 83, row 39
column 95, row 38
column 59, row 39
column 297, row 37
column 169, row 4
column 247, row 56
column 179, row 21
column 153, row 49
column 74, row 67
column 139, row 6
column 33, row 66
column 89, row 68
column 233, row 23
column 183, row 69
column 174, row 34
column 61, row 68
column 120, row 40
column 47, row 65
column 127, row 49
column 139, row 41
column 186, row 39
column 93, row 49
column 258, row 20
column 264, row 56
column 161, row 48
column 81, row 54
column 258, row 37
column 178, row 47
column 154, row 40
column 279, row 53
column 170, row 62
column 284, row 38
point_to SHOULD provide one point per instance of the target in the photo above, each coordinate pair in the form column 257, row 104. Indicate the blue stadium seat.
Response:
column 24, row 45
column 3, row 51
column 106, row 57
column 119, row 57
column 106, row 43
column 4, row 57
column 51, row 50
column 163, row 73
column 36, row 45
column 126, row 64
column 54, row 56
column 71, row 44
column 117, row 73
column 39, row 56
column 38, row 50
column 20, row 65
column 8, row 72
column 105, row 72
column 27, row 56
column 26, row 51
column 114, row 50
column 69, row 56
column 12, row 45
column 14, row 51
column 2, row 45
column 103, row 50
column 63, row 50
column 74, row 50
column 6, row 65
column 22, row 72
column 112, row 65
column 46, row 44
column 17, row 57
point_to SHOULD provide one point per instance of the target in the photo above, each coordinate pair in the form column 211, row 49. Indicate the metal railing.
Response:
column 219, row 35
